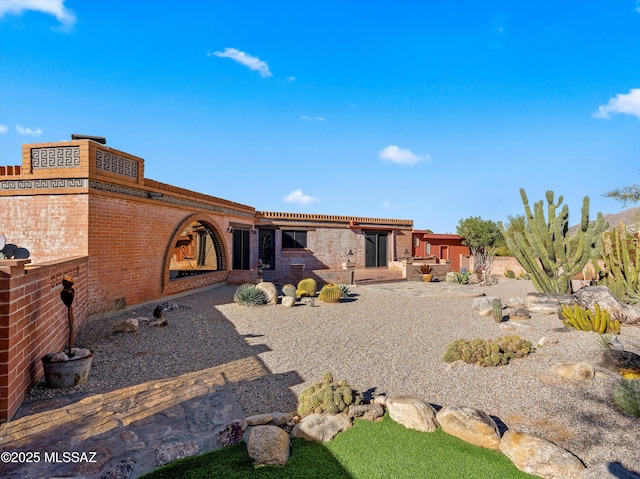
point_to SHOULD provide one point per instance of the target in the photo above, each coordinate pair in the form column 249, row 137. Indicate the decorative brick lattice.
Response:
column 56, row 279
column 122, row 190
column 44, row 184
column 106, row 161
column 58, row 157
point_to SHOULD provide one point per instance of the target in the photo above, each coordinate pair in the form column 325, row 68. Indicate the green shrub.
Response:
column 509, row 273
column 461, row 278
column 626, row 396
column 327, row 396
column 488, row 353
column 249, row 295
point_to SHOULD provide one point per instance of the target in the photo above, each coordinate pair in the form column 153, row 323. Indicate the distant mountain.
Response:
column 630, row 217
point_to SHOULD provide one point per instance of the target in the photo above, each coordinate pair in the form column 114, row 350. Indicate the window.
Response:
column 267, row 251
column 240, row 249
column 427, row 249
column 195, row 251
column 294, row 239
column 416, row 241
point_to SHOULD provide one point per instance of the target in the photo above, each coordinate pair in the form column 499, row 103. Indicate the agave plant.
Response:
column 249, row 295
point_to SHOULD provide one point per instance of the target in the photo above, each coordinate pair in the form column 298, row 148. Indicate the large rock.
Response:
column 270, row 291
column 321, row 427
column 471, row 425
column 129, row 325
column 587, row 297
column 288, row 301
column 369, row 412
column 412, row 413
column 544, row 303
column 268, row 445
column 622, row 362
column 608, row 470
column 573, row 370
column 540, row 457
column 483, row 305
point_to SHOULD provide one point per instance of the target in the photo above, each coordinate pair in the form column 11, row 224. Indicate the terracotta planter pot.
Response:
column 427, row 278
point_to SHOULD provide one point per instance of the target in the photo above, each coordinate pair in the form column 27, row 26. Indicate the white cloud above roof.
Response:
column 628, row 103
column 56, row 8
column 249, row 61
column 401, row 156
column 297, row 196
column 28, row 131
column 3, row 129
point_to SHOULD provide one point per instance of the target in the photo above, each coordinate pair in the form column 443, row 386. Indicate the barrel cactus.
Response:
column 330, row 293
column 289, row 290
column 626, row 396
column 327, row 397
column 249, row 295
column 307, row 287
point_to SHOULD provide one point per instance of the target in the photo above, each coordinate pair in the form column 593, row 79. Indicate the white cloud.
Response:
column 388, row 205
column 56, row 8
column 297, row 196
column 315, row 118
column 291, row 78
column 623, row 103
column 253, row 63
column 28, row 131
column 3, row 129
column 401, row 156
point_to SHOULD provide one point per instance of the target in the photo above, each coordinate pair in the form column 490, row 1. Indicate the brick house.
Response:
column 84, row 209
column 443, row 248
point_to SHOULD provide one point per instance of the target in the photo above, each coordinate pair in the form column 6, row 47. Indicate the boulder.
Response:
column 268, row 445
column 288, row 301
column 321, row 427
column 519, row 314
column 573, row 370
column 412, row 413
column 483, row 305
column 515, row 302
column 540, row 457
column 270, row 291
column 622, row 362
column 608, row 470
column 369, row 412
column 129, row 325
column 587, row 297
column 471, row 425
column 544, row 303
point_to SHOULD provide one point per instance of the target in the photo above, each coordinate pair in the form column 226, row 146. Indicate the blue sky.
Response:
column 426, row 110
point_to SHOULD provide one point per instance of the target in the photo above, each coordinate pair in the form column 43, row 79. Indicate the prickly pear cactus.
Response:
column 327, row 397
column 289, row 290
column 249, row 295
column 626, row 396
column 330, row 293
column 307, row 287
column 496, row 310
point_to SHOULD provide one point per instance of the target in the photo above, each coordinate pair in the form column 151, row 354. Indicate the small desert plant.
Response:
column 307, row 287
column 426, row 269
column 496, row 309
column 488, row 353
column 249, row 295
column 327, row 396
column 330, row 293
column 461, row 277
column 508, row 273
column 344, row 289
column 289, row 290
column 626, row 396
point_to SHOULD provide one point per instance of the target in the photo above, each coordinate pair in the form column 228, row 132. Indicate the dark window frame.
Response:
column 294, row 239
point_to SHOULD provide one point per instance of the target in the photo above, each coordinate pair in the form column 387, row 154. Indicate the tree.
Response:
column 515, row 224
column 625, row 194
column 482, row 237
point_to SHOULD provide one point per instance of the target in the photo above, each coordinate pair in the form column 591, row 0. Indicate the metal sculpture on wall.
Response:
column 12, row 251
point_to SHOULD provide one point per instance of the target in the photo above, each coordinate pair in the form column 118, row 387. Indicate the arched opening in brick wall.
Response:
column 196, row 247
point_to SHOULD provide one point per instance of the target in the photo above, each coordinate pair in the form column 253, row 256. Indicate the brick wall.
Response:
column 33, row 322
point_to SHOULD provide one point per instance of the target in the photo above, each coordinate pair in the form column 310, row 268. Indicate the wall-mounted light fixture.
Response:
column 153, row 195
column 230, row 229
column 253, row 231
column 350, row 256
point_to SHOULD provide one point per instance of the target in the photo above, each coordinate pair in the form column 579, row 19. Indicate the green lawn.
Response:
column 369, row 450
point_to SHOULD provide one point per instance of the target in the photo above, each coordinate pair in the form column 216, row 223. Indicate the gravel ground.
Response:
column 388, row 338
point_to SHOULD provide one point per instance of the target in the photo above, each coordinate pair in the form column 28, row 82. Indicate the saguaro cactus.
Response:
column 549, row 254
